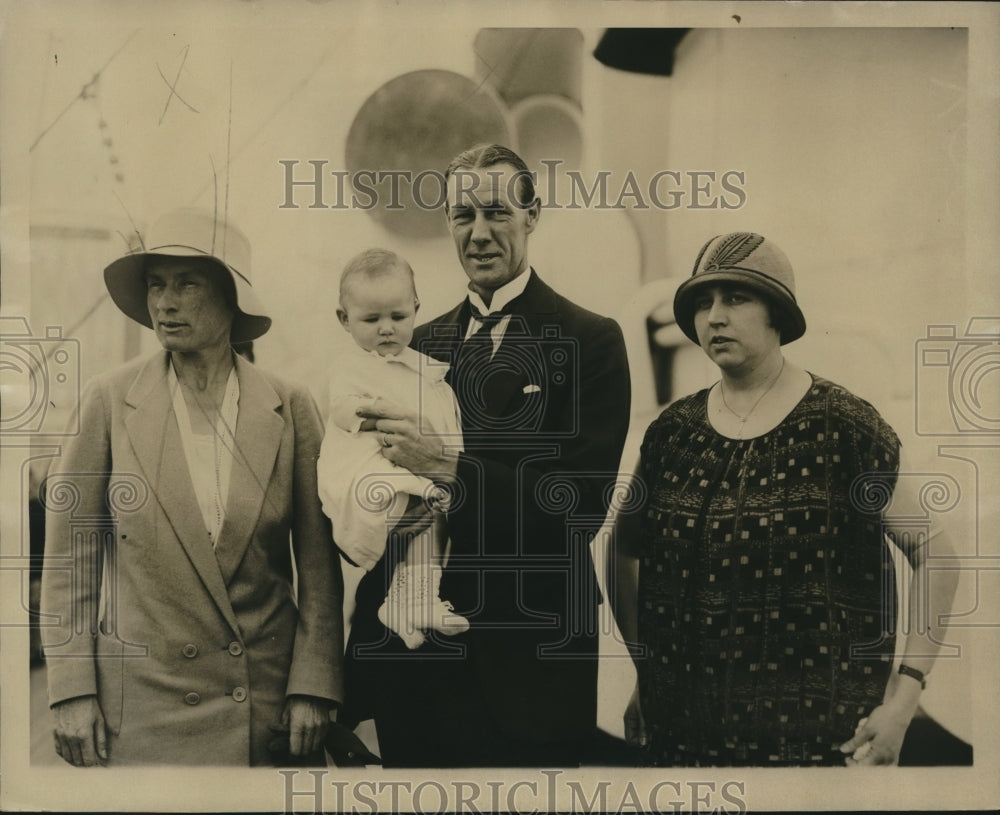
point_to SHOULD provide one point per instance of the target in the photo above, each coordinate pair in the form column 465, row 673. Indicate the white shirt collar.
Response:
column 408, row 358
column 502, row 296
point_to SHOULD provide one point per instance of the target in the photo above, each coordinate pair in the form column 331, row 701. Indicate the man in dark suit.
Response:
column 543, row 388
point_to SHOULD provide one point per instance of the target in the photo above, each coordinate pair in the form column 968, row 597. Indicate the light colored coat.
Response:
column 192, row 652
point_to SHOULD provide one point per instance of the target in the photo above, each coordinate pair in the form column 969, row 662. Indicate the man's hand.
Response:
column 80, row 733
column 398, row 432
column 307, row 718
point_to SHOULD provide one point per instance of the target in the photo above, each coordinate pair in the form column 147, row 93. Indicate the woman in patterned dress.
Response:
column 757, row 575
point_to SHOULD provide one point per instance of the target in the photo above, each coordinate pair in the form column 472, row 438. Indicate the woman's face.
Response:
column 734, row 327
column 187, row 305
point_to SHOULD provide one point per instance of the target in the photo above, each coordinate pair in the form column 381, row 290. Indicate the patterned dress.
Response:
column 766, row 589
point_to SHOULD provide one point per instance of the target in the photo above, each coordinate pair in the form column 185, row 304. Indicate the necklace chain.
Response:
column 767, row 390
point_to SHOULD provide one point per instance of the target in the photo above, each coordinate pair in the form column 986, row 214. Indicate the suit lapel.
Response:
column 441, row 338
column 258, row 436
column 155, row 438
column 530, row 313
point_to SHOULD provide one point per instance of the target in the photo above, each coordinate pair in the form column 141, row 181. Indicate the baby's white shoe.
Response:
column 396, row 612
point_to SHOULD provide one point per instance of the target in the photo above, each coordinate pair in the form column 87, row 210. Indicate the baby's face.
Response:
column 380, row 313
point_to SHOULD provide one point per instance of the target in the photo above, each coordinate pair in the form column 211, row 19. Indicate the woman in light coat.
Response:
column 174, row 631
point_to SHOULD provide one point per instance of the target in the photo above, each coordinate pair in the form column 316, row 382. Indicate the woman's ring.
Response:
column 385, row 440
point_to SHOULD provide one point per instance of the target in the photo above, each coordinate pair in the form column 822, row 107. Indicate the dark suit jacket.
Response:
column 544, row 425
column 191, row 651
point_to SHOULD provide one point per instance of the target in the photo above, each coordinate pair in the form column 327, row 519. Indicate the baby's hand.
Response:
column 437, row 498
column 380, row 408
column 366, row 407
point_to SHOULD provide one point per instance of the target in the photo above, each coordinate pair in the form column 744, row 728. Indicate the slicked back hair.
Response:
column 482, row 156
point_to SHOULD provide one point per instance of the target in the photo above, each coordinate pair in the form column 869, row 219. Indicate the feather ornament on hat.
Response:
column 746, row 259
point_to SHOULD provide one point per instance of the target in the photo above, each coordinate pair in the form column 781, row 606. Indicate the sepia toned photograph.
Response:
column 508, row 407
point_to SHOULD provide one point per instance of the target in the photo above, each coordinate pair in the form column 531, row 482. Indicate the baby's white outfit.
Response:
column 363, row 493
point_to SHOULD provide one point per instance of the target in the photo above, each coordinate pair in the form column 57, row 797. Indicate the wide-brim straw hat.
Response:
column 190, row 233
column 750, row 260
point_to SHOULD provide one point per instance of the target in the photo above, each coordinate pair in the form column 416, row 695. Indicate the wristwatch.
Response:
column 913, row 673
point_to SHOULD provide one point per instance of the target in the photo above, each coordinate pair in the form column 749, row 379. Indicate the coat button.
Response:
column 192, row 698
column 190, row 650
column 239, row 694
column 235, row 649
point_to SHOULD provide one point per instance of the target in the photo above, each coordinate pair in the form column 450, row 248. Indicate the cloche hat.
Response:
column 750, row 260
column 190, row 233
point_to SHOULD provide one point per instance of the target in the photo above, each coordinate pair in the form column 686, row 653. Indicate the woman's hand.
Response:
column 635, row 725
column 80, row 733
column 879, row 738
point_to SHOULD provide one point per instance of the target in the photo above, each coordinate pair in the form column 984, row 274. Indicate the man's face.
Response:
column 489, row 226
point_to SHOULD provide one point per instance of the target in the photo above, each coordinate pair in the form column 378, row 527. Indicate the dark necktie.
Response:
column 486, row 322
column 473, row 356
column 488, row 383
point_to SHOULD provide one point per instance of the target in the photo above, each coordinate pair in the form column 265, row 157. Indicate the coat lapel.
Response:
column 530, row 313
column 155, row 438
column 258, row 436
column 441, row 338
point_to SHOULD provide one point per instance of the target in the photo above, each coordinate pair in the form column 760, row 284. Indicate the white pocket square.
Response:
column 532, row 389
